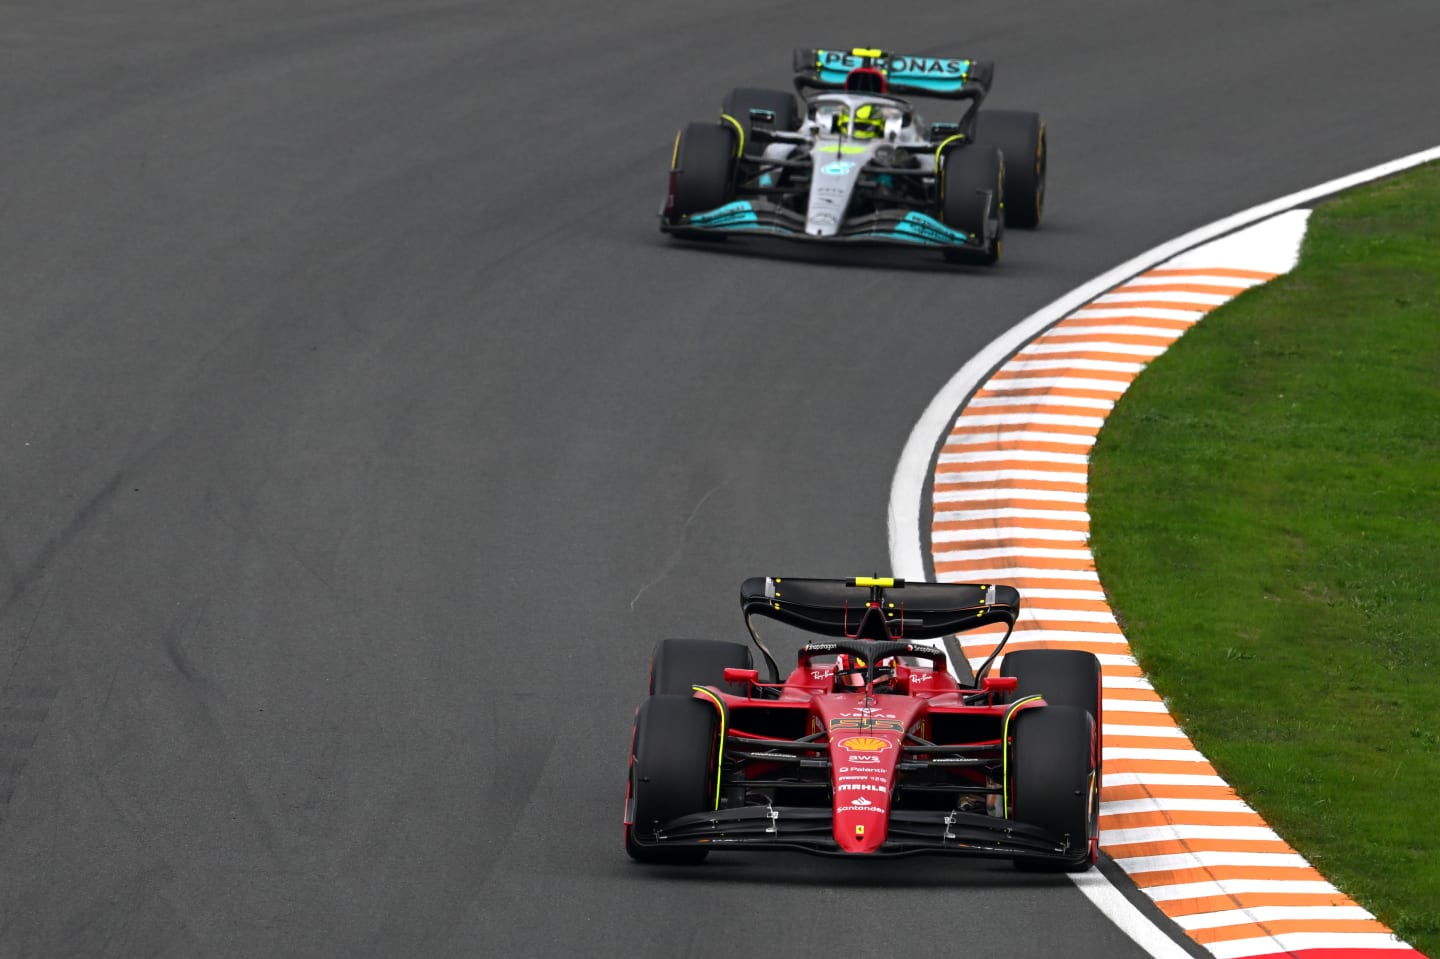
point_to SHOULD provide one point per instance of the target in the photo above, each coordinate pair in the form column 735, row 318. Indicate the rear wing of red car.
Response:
column 876, row 71
column 882, row 609
column 879, row 608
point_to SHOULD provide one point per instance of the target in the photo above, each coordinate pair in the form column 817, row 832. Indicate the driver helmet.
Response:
column 868, row 122
column 884, row 672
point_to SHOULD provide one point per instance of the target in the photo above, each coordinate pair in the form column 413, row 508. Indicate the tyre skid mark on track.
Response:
column 23, row 711
column 1008, row 496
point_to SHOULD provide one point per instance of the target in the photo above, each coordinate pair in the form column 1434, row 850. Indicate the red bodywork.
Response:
column 910, row 762
column 866, row 737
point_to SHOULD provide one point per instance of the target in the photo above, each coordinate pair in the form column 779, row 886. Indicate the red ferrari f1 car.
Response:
column 868, row 746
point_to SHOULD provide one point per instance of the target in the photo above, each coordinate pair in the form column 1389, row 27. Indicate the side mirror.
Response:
column 764, row 116
column 733, row 674
column 938, row 130
column 1000, row 684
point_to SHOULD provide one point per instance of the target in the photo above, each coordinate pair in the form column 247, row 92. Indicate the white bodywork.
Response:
column 839, row 155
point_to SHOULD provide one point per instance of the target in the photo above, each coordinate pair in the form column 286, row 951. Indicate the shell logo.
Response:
column 865, row 744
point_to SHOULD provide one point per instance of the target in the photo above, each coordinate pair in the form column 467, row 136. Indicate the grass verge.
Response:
column 1265, row 507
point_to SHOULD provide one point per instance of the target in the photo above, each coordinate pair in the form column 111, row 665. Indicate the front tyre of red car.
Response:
column 672, row 773
column 1054, row 782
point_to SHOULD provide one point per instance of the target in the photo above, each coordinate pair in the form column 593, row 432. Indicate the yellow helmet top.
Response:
column 868, row 122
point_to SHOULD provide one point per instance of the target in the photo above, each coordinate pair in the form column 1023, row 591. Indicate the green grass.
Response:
column 1266, row 519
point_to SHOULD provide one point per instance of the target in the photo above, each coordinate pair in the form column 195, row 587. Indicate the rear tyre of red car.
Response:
column 1065, row 677
column 672, row 773
column 1020, row 135
column 678, row 665
column 704, row 174
column 972, row 195
column 1054, row 782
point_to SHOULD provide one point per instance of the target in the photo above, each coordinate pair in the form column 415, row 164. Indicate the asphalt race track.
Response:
column 360, row 434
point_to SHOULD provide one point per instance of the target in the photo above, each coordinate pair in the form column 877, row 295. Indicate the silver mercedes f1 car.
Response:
column 847, row 159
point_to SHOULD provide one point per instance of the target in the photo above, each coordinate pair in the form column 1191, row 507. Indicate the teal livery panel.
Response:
column 913, row 227
column 937, row 74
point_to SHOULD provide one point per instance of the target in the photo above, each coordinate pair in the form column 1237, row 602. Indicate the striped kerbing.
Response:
column 1009, row 496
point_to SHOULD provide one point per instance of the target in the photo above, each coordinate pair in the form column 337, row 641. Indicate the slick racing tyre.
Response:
column 972, row 195
column 672, row 773
column 740, row 101
column 703, row 176
column 1020, row 135
column 1065, row 677
column 678, row 665
column 1054, row 782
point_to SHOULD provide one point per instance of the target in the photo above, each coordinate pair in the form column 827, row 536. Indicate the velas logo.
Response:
column 867, row 722
column 865, row 744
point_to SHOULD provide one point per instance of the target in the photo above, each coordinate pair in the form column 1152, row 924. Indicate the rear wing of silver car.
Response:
column 863, row 70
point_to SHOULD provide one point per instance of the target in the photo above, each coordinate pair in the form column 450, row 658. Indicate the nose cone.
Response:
column 837, row 165
column 867, row 734
column 864, row 772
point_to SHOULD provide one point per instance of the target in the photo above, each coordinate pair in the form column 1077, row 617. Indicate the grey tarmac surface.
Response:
column 359, row 435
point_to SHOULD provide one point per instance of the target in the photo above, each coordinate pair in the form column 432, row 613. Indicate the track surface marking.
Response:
column 1009, row 493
